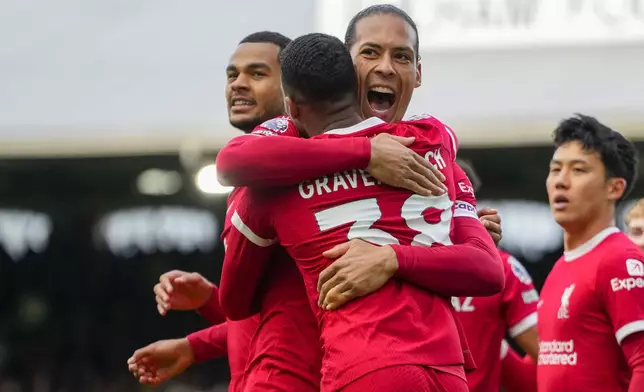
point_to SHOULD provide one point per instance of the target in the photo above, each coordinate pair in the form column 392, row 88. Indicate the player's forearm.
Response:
column 209, row 343
column 518, row 374
column 471, row 268
column 211, row 310
column 274, row 161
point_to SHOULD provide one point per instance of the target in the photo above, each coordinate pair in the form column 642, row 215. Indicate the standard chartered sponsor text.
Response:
column 557, row 352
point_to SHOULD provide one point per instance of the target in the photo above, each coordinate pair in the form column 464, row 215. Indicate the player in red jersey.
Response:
column 487, row 319
column 591, row 313
column 373, row 341
column 263, row 354
column 250, row 100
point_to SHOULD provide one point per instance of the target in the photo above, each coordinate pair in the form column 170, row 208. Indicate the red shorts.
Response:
column 407, row 378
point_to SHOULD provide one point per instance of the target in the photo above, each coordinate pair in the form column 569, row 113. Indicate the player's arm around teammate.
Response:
column 256, row 161
column 159, row 361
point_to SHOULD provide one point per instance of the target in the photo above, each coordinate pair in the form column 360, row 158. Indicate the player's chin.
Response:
column 245, row 122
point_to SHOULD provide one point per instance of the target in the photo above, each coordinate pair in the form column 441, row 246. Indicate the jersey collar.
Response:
column 590, row 244
column 361, row 126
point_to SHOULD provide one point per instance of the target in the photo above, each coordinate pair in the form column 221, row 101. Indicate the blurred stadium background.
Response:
column 111, row 113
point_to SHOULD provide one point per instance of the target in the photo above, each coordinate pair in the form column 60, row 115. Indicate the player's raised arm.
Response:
column 258, row 161
column 248, row 250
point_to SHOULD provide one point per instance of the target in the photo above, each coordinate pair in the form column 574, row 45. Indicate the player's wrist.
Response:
column 390, row 260
column 186, row 350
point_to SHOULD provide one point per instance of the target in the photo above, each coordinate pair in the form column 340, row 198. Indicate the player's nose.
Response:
column 385, row 67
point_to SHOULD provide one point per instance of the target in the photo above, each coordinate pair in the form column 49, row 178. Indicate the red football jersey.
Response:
column 486, row 320
column 400, row 323
column 591, row 301
column 283, row 350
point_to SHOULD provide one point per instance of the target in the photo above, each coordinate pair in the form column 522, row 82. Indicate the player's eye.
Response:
column 368, row 52
column 403, row 57
column 578, row 170
column 231, row 77
column 555, row 169
column 258, row 75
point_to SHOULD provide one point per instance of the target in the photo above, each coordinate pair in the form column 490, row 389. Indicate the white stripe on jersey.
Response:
column 248, row 233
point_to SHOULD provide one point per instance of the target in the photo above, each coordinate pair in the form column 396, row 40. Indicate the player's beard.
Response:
column 247, row 125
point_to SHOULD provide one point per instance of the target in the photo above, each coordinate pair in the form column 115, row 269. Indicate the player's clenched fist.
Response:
column 396, row 165
column 360, row 269
column 179, row 290
column 156, row 363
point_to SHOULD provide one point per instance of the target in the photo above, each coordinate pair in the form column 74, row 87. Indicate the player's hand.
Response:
column 179, row 290
column 492, row 222
column 394, row 164
column 160, row 361
column 360, row 269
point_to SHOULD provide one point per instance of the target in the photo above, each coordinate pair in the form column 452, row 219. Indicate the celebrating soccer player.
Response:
column 259, row 346
column 591, row 313
column 390, row 339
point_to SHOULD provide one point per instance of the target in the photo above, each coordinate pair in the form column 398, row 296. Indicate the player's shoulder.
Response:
column 426, row 123
column 278, row 126
column 514, row 268
column 619, row 251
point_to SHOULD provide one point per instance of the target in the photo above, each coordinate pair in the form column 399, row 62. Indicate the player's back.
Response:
column 400, row 323
column 279, row 346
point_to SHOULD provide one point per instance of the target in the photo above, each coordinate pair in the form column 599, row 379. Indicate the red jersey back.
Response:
column 279, row 347
column 400, row 323
column 486, row 320
column 591, row 301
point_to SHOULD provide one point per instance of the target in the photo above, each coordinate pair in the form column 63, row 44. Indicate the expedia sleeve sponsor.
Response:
column 464, row 209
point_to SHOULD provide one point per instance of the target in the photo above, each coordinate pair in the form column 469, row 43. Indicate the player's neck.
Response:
column 577, row 235
column 341, row 115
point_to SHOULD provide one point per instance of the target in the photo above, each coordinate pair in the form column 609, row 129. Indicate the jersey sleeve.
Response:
column 209, row 343
column 519, row 298
column 248, row 249
column 211, row 311
column 470, row 268
column 255, row 160
column 620, row 283
column 465, row 204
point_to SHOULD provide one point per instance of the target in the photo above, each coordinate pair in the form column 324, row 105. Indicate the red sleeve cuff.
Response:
column 209, row 343
column 211, row 310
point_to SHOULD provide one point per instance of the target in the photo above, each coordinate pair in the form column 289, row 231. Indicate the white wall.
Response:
column 90, row 75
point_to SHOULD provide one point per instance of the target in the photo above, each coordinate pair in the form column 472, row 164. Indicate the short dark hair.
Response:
column 619, row 156
column 380, row 9
column 317, row 68
column 470, row 172
column 267, row 37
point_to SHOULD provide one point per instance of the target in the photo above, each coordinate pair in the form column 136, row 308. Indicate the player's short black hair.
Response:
column 468, row 168
column 619, row 156
column 317, row 68
column 267, row 37
column 379, row 9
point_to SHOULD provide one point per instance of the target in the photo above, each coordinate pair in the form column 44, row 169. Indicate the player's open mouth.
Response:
column 381, row 99
column 560, row 202
column 238, row 105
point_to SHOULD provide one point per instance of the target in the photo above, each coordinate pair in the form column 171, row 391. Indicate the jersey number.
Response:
column 365, row 213
column 465, row 306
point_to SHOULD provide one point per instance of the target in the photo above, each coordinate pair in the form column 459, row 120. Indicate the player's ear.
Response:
column 615, row 188
column 291, row 108
column 419, row 72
